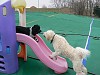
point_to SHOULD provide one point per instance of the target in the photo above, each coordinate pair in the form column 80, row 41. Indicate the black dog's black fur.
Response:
column 26, row 30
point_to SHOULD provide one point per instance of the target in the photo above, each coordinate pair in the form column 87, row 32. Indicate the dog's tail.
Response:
column 85, row 53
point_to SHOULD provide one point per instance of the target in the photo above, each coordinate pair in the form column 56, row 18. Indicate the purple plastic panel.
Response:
column 8, row 46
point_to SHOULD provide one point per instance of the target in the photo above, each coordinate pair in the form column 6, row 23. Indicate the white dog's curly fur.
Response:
column 61, row 46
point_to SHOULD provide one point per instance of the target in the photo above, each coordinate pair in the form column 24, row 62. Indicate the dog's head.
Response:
column 49, row 34
column 36, row 29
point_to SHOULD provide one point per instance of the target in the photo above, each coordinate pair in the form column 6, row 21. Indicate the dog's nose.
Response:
column 40, row 31
column 44, row 35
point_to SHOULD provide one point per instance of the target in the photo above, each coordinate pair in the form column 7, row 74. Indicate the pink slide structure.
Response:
column 43, row 52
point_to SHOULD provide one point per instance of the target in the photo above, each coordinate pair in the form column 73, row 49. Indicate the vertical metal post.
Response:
column 38, row 3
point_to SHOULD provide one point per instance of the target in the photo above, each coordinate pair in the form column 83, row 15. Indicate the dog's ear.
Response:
column 36, row 26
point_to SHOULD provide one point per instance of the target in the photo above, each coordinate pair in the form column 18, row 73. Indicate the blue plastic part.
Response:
column 87, row 47
column 0, row 44
column 0, row 47
column 18, row 45
column 8, row 50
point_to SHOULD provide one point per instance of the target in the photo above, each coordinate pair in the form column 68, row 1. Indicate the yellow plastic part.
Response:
column 19, row 4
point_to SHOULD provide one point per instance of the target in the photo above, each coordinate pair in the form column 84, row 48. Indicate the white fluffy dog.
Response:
column 61, row 46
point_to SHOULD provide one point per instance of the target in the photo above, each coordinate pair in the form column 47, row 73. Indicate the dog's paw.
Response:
column 53, row 58
column 35, row 39
column 81, row 73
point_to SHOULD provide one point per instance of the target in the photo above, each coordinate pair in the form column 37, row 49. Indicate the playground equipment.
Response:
column 8, row 44
column 43, row 52
column 8, row 48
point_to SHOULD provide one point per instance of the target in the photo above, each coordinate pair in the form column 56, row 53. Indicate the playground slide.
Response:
column 43, row 53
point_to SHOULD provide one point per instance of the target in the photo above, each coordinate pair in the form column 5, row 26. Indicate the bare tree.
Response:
column 59, row 3
column 80, row 7
column 91, row 7
column 97, row 3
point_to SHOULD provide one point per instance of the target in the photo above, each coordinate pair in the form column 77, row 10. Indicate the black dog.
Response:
column 30, row 31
